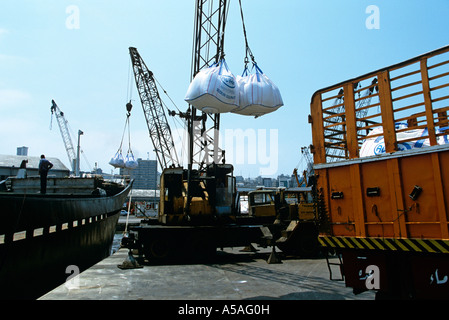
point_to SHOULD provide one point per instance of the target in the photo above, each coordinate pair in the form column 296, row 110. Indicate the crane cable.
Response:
column 177, row 123
column 248, row 50
column 119, row 151
column 129, row 98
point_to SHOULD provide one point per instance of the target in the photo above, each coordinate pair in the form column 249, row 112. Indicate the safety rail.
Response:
column 412, row 95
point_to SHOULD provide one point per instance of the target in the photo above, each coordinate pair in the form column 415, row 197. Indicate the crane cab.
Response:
column 204, row 196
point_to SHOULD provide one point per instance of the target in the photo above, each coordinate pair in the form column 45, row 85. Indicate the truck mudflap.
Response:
column 404, row 275
column 394, row 268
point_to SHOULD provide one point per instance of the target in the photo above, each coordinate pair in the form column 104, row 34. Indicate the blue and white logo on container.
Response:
column 404, row 146
column 228, row 81
column 379, row 148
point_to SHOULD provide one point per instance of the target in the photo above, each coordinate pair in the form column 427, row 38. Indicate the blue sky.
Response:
column 301, row 46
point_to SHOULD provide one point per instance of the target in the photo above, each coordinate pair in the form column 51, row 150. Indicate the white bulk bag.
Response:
column 214, row 90
column 376, row 145
column 444, row 138
column 130, row 162
column 117, row 161
column 258, row 94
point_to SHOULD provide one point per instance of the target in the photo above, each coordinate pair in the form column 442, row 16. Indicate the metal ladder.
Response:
column 339, row 264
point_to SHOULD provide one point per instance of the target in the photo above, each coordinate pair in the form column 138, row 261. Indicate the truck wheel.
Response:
column 301, row 242
column 159, row 250
column 308, row 243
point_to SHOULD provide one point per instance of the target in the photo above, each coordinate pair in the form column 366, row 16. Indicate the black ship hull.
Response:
column 49, row 238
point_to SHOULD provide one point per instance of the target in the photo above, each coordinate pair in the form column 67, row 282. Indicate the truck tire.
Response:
column 303, row 242
column 159, row 250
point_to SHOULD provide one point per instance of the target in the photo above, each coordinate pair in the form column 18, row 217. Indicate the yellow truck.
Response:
column 292, row 216
column 381, row 155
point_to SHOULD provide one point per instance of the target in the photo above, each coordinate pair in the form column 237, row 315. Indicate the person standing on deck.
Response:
column 22, row 173
column 44, row 166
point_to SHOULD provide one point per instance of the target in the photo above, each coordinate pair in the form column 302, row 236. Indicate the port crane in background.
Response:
column 74, row 158
column 335, row 130
column 308, row 172
column 153, row 109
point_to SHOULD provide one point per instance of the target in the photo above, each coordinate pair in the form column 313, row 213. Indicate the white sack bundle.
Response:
column 131, row 162
column 376, row 145
column 117, row 161
column 214, row 90
column 258, row 95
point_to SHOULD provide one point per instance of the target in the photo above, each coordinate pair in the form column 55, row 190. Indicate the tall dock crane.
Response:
column 66, row 138
column 153, row 110
column 196, row 212
column 208, row 48
column 198, row 209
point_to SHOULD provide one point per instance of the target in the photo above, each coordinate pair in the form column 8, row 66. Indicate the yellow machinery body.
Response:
column 210, row 199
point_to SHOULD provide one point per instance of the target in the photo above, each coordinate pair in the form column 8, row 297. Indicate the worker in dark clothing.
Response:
column 44, row 166
column 22, row 173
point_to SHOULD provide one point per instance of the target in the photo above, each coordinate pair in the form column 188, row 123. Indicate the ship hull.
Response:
column 49, row 238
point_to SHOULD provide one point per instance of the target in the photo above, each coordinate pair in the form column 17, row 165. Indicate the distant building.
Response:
column 9, row 166
column 267, row 182
column 22, row 151
column 284, row 181
column 145, row 175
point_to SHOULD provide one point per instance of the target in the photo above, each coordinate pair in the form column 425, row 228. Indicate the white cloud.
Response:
column 13, row 97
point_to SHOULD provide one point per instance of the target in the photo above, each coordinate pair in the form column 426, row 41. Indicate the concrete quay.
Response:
column 233, row 275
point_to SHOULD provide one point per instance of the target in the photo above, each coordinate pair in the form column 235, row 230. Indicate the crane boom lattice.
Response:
column 65, row 133
column 208, row 48
column 153, row 109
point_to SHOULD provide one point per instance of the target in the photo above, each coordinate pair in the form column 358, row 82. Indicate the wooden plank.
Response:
column 319, row 155
column 428, row 103
column 351, row 123
column 387, row 112
column 439, row 194
column 357, row 198
column 397, row 196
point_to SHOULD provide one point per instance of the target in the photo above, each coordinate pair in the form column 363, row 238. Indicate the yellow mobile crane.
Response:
column 197, row 210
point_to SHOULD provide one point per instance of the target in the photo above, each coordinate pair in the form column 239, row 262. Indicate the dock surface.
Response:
column 233, row 275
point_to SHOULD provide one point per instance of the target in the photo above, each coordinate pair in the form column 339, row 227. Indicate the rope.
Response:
column 129, row 84
column 129, row 139
column 127, row 215
column 248, row 50
column 124, row 130
column 129, row 136
column 158, row 83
